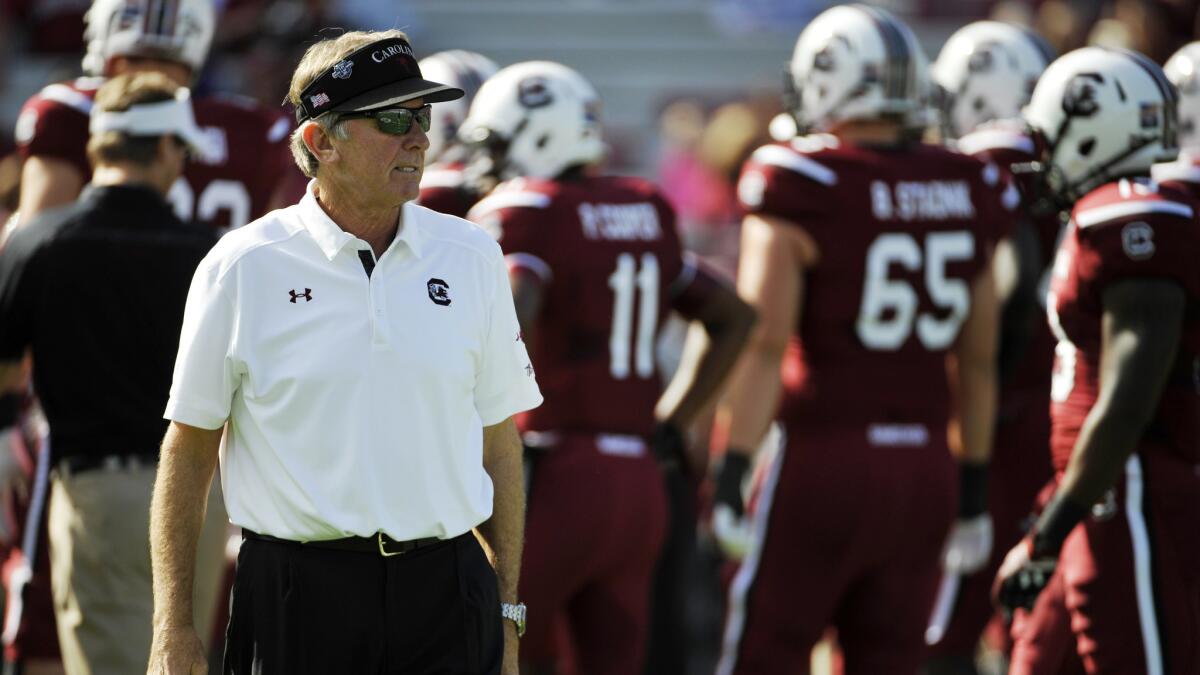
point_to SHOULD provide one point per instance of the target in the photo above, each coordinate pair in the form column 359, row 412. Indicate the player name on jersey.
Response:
column 915, row 200
column 620, row 222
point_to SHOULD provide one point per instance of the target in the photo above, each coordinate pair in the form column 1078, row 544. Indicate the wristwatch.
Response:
column 514, row 613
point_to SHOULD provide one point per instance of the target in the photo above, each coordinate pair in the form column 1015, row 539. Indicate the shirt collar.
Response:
column 410, row 229
column 332, row 239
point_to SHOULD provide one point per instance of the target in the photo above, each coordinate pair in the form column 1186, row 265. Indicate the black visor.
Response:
column 381, row 74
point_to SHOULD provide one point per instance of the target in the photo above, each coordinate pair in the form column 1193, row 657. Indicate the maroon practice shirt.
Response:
column 230, row 192
column 903, row 234
column 609, row 256
column 1124, row 230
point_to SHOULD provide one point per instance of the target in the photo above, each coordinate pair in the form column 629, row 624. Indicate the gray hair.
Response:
column 332, row 124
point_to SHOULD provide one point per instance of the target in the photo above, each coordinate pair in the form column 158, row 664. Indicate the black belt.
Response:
column 380, row 544
column 74, row 464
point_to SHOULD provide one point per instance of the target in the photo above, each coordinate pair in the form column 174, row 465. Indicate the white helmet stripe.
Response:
column 1039, row 43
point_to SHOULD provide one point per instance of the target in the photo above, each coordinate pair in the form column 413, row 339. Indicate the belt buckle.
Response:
column 383, row 551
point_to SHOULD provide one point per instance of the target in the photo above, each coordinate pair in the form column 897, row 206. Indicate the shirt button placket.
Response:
column 379, row 326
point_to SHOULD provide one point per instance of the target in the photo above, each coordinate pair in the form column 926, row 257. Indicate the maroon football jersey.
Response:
column 444, row 189
column 1183, row 173
column 235, row 188
column 903, row 233
column 1123, row 230
column 1006, row 144
column 609, row 255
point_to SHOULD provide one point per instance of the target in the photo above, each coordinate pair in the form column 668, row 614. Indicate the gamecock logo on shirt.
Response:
column 439, row 292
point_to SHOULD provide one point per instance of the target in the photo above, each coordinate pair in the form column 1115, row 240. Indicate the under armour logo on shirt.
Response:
column 307, row 295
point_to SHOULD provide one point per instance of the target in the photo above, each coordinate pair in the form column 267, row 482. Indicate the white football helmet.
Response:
column 173, row 30
column 858, row 62
column 535, row 119
column 1104, row 114
column 457, row 68
column 986, row 71
column 1183, row 70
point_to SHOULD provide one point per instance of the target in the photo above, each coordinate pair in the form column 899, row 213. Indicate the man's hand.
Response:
column 969, row 546
column 730, row 527
column 511, row 664
column 1022, row 577
column 178, row 651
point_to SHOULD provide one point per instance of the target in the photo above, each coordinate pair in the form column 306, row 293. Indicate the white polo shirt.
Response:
column 355, row 404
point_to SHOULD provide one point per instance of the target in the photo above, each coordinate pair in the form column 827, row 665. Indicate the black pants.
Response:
column 301, row 611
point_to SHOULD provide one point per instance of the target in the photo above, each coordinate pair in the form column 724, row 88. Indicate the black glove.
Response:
column 972, row 490
column 1028, row 567
column 670, row 447
column 728, row 488
column 1022, row 577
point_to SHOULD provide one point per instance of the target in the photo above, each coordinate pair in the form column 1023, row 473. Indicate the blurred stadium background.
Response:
column 642, row 55
column 689, row 86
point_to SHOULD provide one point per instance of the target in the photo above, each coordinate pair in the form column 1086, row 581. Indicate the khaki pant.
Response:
column 100, row 568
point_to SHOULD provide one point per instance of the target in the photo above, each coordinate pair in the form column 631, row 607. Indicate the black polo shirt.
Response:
column 97, row 290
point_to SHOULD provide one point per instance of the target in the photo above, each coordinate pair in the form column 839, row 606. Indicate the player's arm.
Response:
column 1140, row 331
column 774, row 255
column 973, row 366
column 726, row 321
column 529, row 293
column 1142, row 322
column 973, row 379
column 47, row 182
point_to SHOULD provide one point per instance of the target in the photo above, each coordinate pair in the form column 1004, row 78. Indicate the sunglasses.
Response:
column 398, row 121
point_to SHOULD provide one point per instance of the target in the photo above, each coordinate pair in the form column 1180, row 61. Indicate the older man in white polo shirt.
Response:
column 363, row 358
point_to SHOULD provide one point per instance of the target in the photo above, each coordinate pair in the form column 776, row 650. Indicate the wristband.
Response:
column 10, row 409
column 669, row 446
column 1061, row 516
column 972, row 490
column 734, row 466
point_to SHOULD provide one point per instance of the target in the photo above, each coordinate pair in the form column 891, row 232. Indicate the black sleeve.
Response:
column 19, row 289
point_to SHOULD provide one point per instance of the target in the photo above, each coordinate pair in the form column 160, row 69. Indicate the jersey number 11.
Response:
column 626, row 282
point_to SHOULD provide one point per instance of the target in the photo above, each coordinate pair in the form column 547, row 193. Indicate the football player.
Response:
column 227, row 190
column 868, row 257
column 1116, row 544
column 238, row 183
column 1182, row 71
column 982, row 78
column 445, row 184
column 596, row 265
